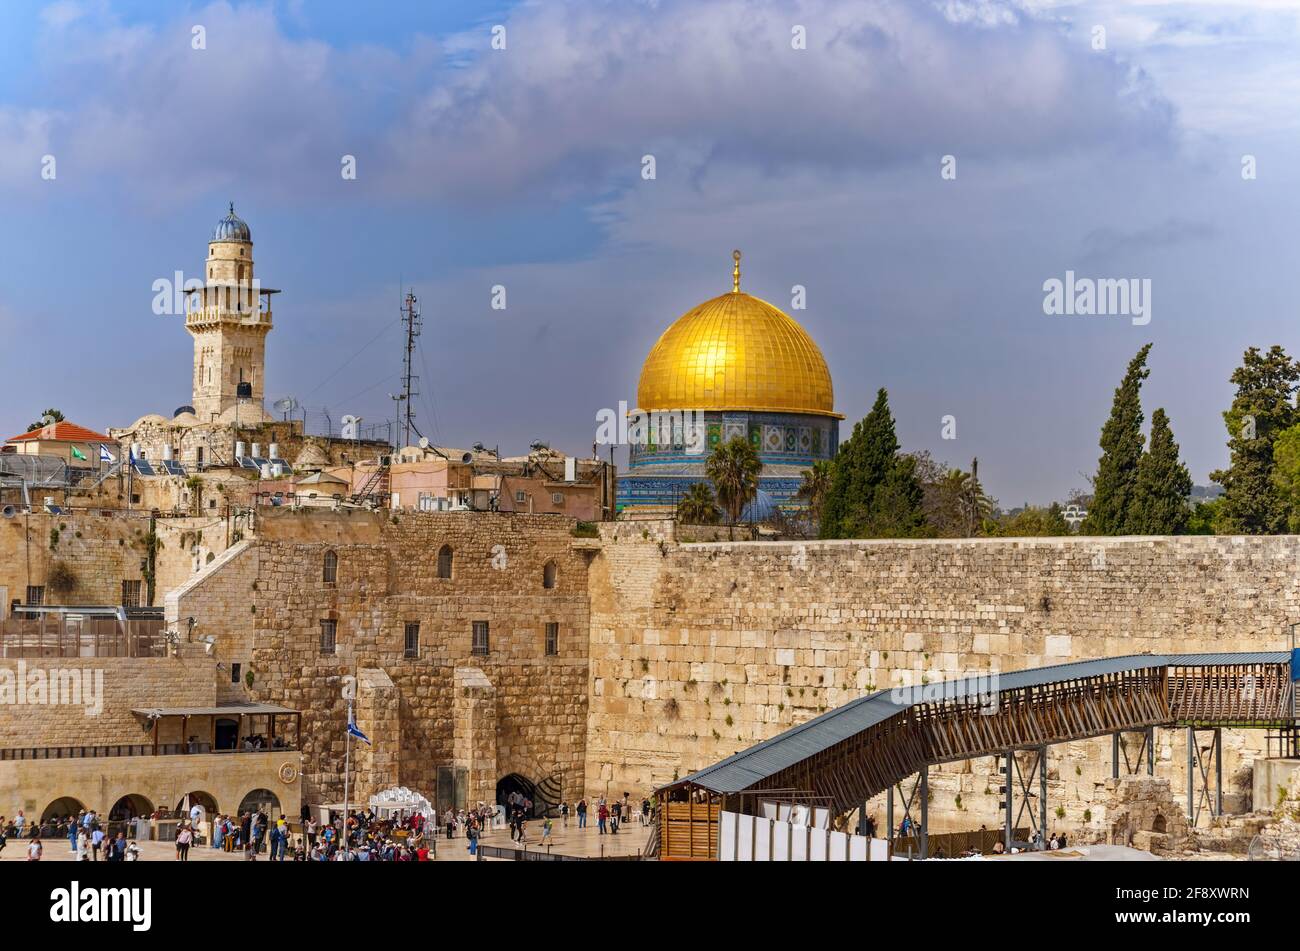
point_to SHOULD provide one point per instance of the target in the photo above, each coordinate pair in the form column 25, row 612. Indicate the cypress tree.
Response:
column 1160, row 505
column 1121, row 450
column 874, row 492
column 1262, row 409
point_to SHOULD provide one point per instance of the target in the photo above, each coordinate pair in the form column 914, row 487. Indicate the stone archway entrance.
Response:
column 514, row 783
column 62, row 808
column 130, row 806
column 261, row 800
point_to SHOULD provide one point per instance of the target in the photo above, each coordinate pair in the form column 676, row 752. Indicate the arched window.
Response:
column 548, row 575
column 330, row 572
column 444, row 561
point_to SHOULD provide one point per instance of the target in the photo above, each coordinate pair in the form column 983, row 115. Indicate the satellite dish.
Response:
column 10, row 511
column 286, row 405
column 424, row 442
column 48, row 420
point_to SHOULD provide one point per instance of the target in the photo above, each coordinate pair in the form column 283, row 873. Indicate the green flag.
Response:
column 78, row 454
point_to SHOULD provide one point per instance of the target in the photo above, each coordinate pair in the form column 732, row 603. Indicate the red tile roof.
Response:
column 63, row 432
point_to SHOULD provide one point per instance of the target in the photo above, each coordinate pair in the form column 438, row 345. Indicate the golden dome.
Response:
column 736, row 352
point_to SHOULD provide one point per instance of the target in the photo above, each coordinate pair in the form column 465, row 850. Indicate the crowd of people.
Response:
column 361, row 836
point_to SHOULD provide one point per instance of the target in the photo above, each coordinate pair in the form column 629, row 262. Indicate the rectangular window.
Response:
column 328, row 631
column 235, row 670
column 36, row 594
column 552, row 638
column 480, row 645
column 411, row 645
column 130, row 594
column 520, row 496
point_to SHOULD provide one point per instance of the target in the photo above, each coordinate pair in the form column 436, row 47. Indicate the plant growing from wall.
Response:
column 61, row 579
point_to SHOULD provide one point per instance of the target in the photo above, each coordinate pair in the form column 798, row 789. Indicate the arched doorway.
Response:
column 1159, row 825
column 206, row 801
column 130, row 806
column 61, row 808
column 514, row 783
column 261, row 800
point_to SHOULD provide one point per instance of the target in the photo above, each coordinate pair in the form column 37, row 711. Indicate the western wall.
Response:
column 699, row 650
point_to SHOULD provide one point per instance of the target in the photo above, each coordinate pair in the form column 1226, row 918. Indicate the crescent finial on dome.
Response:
column 735, row 272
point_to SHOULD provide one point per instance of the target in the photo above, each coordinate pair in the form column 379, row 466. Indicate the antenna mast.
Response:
column 411, row 318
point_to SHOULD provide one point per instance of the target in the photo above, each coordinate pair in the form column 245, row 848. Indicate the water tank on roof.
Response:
column 266, row 470
column 275, row 450
column 257, row 450
column 239, row 448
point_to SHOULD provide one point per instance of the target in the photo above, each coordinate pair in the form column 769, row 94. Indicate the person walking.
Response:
column 564, row 813
column 35, row 850
column 184, row 836
column 602, row 817
column 582, row 813
column 74, row 827
column 83, row 846
column 96, row 843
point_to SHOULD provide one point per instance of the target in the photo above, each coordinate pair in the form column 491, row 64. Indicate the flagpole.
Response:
column 347, row 768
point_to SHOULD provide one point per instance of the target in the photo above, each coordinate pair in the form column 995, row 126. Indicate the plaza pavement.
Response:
column 571, row 841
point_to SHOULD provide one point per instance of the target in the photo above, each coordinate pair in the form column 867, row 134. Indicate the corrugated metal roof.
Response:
column 227, row 709
column 742, row 770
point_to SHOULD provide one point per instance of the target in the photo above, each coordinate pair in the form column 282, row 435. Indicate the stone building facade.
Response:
column 408, row 597
column 497, row 651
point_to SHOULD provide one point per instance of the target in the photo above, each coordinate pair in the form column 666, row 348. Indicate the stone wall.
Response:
column 700, row 650
column 387, row 577
column 96, row 552
column 121, row 684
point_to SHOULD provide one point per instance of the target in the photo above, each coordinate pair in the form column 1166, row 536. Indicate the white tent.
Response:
column 399, row 801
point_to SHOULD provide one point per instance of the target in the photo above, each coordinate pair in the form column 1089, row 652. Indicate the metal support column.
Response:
column 1119, row 750
column 1042, row 794
column 891, row 831
column 925, row 811
column 1007, row 799
column 1199, row 765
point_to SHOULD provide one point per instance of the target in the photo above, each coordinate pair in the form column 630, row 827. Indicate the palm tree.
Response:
column 53, row 415
column 816, row 483
column 733, row 469
column 697, row 506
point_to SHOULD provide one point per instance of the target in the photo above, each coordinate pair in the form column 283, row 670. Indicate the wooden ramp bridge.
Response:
column 876, row 743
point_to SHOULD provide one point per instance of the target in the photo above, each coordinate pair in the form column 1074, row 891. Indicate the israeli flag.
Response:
column 104, row 454
column 354, row 730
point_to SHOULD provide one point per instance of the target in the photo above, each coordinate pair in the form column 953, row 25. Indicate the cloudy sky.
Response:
column 522, row 167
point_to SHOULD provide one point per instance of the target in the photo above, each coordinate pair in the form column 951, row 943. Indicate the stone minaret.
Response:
column 229, row 319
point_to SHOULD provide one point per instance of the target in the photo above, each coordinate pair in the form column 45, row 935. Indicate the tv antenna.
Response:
column 411, row 319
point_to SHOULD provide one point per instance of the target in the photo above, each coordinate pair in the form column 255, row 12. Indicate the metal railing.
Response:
column 128, row 749
column 67, row 636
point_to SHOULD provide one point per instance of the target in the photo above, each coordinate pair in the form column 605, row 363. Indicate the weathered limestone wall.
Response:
column 114, row 685
column 98, row 783
column 699, row 650
column 475, row 738
column 388, row 576
column 96, row 552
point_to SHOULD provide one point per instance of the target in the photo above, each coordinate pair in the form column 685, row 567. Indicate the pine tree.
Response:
column 1160, row 504
column 1121, row 450
column 1262, row 409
